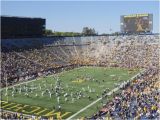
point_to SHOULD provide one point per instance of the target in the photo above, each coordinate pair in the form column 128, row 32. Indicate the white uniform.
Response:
column 58, row 99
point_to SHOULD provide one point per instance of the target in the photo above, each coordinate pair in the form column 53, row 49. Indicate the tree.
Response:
column 88, row 31
column 85, row 31
column 66, row 34
column 48, row 32
column 93, row 32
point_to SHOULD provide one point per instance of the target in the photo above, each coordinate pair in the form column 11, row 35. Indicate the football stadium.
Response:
column 103, row 77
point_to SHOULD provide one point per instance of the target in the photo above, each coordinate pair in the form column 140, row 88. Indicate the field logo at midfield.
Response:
column 78, row 81
column 33, row 110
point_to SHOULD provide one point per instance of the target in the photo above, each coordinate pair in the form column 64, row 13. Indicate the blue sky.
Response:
column 73, row 16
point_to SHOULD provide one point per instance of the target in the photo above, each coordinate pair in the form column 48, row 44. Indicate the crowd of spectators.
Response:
column 139, row 99
column 127, row 52
column 6, row 115
column 131, row 52
column 15, row 68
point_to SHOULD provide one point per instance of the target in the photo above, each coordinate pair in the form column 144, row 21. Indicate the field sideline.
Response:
column 77, row 89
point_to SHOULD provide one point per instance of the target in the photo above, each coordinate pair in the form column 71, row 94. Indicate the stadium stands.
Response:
column 45, row 54
column 127, row 51
column 138, row 99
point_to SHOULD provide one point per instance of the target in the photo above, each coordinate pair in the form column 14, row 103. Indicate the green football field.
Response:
column 64, row 94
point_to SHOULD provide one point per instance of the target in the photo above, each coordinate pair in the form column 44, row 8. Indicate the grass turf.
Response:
column 73, row 81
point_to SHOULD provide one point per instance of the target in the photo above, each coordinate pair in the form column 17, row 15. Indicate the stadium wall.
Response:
column 27, row 43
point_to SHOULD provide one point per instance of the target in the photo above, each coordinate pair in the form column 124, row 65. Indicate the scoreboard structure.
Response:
column 136, row 23
column 22, row 27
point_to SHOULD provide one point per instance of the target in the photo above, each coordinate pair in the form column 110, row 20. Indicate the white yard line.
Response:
column 114, row 90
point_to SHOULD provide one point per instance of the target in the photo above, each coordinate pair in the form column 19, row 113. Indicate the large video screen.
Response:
column 136, row 23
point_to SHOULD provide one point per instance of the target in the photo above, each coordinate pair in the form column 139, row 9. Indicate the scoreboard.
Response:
column 22, row 27
column 136, row 23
